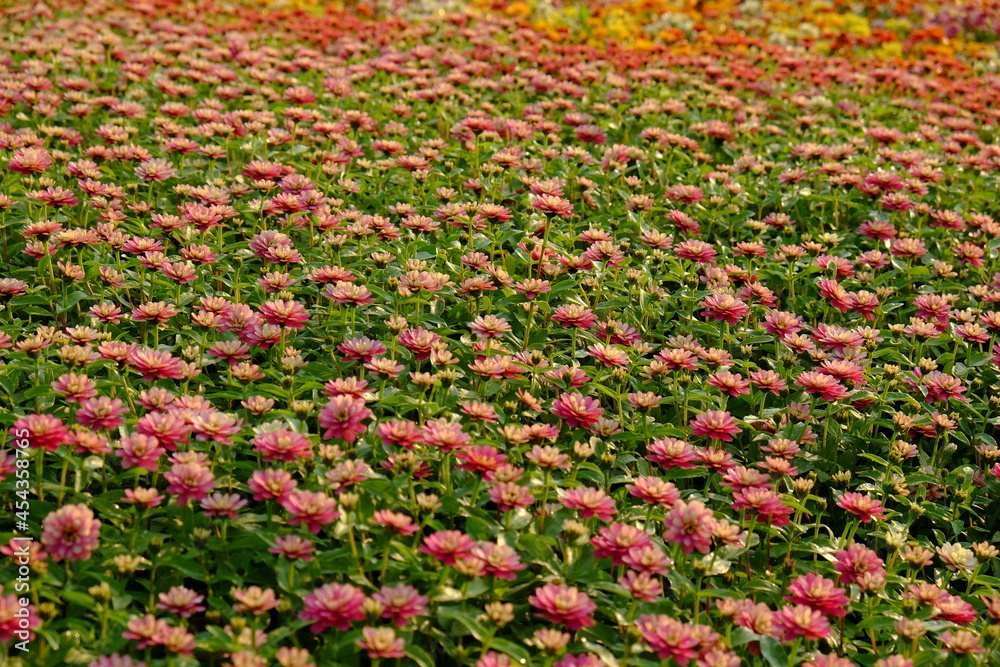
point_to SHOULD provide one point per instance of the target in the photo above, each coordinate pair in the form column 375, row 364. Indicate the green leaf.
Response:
column 419, row 656
column 773, row 652
column 466, row 620
column 515, row 651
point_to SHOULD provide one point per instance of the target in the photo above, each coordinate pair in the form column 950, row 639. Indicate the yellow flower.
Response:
column 517, row 10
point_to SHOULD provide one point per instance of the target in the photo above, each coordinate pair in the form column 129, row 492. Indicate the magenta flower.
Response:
column 724, row 307
column 716, row 424
column 402, row 602
column 796, row 621
column 71, row 533
column 140, row 451
column 189, row 481
column 818, row 593
column 862, row 505
column 41, row 431
column 101, row 413
column 564, row 604
column 448, row 546
column 590, row 502
column 333, row 606
column 291, row 314
column 313, row 508
column 578, row 410
column 342, row 417
column 690, row 525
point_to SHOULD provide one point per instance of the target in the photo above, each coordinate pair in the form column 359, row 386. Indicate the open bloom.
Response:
column 716, row 424
column 401, row 602
column 818, row 593
column 690, row 525
column 590, row 502
column 564, row 604
column 578, row 410
column 333, row 606
column 861, row 505
column 313, row 508
column 71, row 533
column 342, row 417
column 381, row 643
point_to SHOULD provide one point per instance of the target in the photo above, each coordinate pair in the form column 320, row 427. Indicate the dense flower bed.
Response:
column 328, row 341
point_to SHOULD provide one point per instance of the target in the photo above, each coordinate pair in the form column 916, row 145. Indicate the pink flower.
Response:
column 291, row 314
column 690, row 525
column 293, row 547
column 642, row 585
column 800, row 621
column 400, row 523
column 140, row 451
column 283, row 445
column 669, row 638
column 381, row 643
column 271, row 484
column 574, row 315
column 448, row 546
column 725, row 307
column 578, row 410
column 333, row 606
column 819, row 593
column 146, row 631
column 616, row 540
column 223, row 504
column 696, row 251
column 672, row 453
column 401, row 602
column 10, row 623
column 189, row 481
column 71, row 533
column 826, row 387
column 313, row 508
column 181, row 601
column 342, row 416
column 716, row 424
column 861, row 505
column 511, row 495
column 564, row 604
column 654, row 490
column 590, row 502
column 101, row 413
column 43, row 431
column 856, row 561
column 499, row 560
column 444, row 435
column 155, row 364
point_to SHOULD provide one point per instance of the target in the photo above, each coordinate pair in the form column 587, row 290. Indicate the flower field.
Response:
column 499, row 335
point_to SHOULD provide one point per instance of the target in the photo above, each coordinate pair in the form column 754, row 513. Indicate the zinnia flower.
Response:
column 71, row 533
column 564, row 604
column 333, row 605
